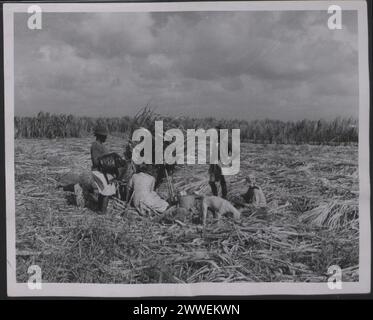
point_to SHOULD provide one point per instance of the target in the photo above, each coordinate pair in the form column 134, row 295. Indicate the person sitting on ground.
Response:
column 254, row 200
column 106, row 187
column 254, row 194
column 144, row 197
column 253, row 197
column 146, row 200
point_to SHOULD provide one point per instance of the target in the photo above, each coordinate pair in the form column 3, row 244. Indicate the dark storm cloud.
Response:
column 285, row 65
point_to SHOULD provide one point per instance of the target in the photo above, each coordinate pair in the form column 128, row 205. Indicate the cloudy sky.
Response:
column 251, row 65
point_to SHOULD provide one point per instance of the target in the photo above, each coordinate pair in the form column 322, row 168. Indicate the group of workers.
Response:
column 142, row 183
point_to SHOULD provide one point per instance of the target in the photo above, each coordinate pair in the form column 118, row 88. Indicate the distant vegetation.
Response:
column 337, row 131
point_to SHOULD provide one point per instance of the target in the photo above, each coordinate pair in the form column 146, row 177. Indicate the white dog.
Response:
column 219, row 206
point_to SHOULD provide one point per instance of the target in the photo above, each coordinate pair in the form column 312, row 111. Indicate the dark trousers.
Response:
column 103, row 202
column 217, row 176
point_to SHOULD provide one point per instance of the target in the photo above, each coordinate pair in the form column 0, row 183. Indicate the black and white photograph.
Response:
column 189, row 148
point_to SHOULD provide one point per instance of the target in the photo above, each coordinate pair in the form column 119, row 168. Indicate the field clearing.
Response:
column 312, row 193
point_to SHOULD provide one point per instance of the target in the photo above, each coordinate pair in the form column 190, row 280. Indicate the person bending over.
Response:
column 106, row 187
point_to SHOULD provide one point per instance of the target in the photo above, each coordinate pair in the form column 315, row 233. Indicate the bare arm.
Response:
column 152, row 186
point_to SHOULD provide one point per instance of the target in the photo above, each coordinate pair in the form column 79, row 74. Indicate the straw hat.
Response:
column 100, row 131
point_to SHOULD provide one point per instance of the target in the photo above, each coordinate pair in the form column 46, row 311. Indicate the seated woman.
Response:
column 144, row 197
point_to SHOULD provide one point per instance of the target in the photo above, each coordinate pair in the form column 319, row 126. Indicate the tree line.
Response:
column 337, row 131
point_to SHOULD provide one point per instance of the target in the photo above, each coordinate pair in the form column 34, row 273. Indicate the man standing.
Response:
column 216, row 175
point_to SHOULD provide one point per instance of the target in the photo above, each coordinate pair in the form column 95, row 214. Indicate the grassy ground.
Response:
column 312, row 193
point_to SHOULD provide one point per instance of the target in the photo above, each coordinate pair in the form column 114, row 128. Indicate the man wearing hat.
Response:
column 105, row 187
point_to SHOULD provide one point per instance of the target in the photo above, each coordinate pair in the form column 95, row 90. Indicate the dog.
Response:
column 219, row 206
